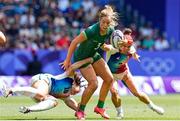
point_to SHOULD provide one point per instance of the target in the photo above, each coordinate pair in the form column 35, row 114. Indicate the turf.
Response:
column 134, row 109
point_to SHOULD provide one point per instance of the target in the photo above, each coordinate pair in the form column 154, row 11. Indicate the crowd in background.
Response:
column 52, row 24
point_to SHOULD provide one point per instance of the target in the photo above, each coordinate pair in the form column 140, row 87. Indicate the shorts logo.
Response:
column 157, row 66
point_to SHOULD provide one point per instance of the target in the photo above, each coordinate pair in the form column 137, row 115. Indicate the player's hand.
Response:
column 136, row 56
column 65, row 65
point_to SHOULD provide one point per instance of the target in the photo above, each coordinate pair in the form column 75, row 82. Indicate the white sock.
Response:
column 47, row 104
column 151, row 105
column 119, row 109
column 26, row 91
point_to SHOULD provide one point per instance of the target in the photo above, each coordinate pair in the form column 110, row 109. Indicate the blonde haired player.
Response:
column 46, row 89
column 89, row 41
column 117, row 61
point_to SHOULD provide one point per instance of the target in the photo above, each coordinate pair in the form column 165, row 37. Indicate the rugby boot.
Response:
column 102, row 112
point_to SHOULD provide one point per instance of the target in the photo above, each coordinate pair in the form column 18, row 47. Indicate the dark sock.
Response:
column 100, row 104
column 82, row 107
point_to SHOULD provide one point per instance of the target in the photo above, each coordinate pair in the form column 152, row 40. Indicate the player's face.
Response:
column 126, row 44
column 75, row 89
column 124, row 47
column 105, row 23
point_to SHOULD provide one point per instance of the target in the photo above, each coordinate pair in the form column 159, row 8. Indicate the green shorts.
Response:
column 96, row 57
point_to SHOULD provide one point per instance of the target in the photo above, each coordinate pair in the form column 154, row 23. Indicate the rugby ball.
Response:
column 116, row 37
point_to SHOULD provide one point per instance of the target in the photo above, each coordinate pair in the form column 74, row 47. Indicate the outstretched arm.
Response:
column 73, row 67
column 136, row 56
column 77, row 65
column 134, row 53
column 107, row 47
column 71, row 102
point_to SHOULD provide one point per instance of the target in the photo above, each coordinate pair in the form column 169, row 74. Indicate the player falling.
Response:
column 46, row 89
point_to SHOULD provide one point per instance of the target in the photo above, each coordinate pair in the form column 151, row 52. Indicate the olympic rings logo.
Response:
column 157, row 66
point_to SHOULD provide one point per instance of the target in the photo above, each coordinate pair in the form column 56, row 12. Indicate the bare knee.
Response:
column 55, row 103
column 114, row 92
column 93, row 84
column 109, row 81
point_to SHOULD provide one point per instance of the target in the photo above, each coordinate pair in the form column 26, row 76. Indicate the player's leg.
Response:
column 102, row 70
column 128, row 80
column 48, row 103
column 89, row 74
column 116, row 100
column 25, row 91
column 43, row 89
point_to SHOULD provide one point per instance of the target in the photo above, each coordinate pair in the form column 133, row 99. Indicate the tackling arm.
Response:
column 77, row 65
column 107, row 47
column 71, row 102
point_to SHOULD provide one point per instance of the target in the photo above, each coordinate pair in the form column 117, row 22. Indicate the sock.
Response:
column 82, row 107
column 26, row 91
column 100, row 104
column 150, row 105
column 47, row 104
column 119, row 109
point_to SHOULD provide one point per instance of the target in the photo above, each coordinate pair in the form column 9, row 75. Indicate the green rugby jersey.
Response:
column 94, row 41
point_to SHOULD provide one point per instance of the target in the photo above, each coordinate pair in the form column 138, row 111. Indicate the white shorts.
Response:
column 121, row 75
column 42, row 77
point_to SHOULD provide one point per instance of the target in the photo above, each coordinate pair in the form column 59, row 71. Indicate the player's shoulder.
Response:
column 91, row 30
column 111, row 29
column 47, row 74
column 93, row 27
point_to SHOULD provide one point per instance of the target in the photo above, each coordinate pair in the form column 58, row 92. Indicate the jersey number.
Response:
column 99, row 45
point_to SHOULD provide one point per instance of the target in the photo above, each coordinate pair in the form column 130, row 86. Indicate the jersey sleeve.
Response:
column 132, row 50
column 61, row 76
column 89, row 32
column 111, row 30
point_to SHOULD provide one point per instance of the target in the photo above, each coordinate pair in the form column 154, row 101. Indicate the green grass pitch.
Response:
column 133, row 108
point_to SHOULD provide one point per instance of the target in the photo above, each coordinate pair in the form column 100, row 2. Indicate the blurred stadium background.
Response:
column 39, row 33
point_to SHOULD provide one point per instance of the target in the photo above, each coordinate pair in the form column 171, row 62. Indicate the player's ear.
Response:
column 77, row 78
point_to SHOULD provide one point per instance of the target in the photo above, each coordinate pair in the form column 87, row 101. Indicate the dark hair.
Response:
column 77, row 78
column 127, row 31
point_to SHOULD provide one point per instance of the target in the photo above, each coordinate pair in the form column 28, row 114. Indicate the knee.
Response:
column 114, row 92
column 109, row 81
column 55, row 103
column 93, row 84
